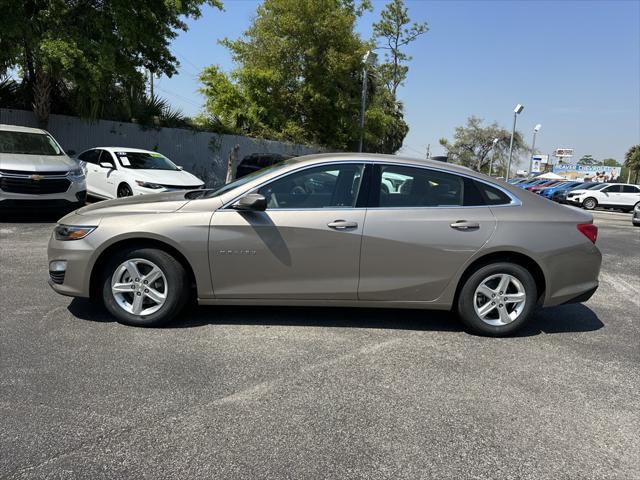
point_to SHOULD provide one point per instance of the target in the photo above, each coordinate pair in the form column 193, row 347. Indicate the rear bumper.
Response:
column 583, row 297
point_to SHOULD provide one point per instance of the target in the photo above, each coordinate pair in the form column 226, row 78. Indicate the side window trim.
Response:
column 376, row 179
column 363, row 163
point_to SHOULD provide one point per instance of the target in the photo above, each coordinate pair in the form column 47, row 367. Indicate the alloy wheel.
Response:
column 139, row 286
column 499, row 299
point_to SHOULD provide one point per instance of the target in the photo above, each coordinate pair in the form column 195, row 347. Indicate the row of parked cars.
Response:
column 36, row 172
column 588, row 195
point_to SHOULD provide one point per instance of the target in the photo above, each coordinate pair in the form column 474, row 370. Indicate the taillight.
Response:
column 589, row 230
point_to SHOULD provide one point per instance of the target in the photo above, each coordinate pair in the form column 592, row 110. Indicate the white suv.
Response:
column 35, row 171
column 613, row 195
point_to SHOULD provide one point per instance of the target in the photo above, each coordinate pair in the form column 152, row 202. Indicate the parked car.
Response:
column 613, row 195
column 257, row 161
column 121, row 172
column 635, row 219
column 561, row 195
column 531, row 183
column 549, row 183
column 548, row 192
column 36, row 172
column 322, row 230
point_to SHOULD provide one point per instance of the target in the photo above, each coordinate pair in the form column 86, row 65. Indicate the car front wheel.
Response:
column 144, row 287
column 497, row 299
column 590, row 203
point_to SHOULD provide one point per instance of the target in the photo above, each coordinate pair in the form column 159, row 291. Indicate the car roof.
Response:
column 380, row 158
column 17, row 128
column 123, row 149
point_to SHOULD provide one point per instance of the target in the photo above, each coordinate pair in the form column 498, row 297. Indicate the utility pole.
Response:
column 368, row 59
column 151, row 82
column 516, row 112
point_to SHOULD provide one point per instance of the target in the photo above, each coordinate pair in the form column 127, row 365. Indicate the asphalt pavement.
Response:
column 254, row 392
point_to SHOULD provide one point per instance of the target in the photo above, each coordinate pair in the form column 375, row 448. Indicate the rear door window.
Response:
column 401, row 186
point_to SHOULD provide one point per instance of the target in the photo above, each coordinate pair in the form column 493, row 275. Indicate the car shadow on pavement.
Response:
column 563, row 319
column 31, row 216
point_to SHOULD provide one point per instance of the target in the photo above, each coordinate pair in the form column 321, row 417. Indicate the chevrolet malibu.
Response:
column 326, row 230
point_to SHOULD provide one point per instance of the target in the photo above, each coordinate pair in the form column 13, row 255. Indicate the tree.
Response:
column 396, row 31
column 610, row 162
column 588, row 160
column 298, row 78
column 632, row 161
column 473, row 145
column 89, row 48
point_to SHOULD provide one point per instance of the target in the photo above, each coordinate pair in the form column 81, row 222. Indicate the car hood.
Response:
column 179, row 178
column 581, row 190
column 156, row 202
column 36, row 163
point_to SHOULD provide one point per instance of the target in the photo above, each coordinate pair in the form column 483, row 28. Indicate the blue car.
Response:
column 550, row 191
column 531, row 183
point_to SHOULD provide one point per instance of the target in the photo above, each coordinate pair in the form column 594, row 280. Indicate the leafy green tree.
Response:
column 91, row 47
column 298, row 78
column 473, row 146
column 396, row 31
column 632, row 161
column 610, row 162
column 588, row 160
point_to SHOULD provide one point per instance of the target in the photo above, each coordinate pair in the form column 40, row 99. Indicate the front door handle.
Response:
column 464, row 225
column 342, row 225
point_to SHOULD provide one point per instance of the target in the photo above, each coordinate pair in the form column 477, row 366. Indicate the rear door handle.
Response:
column 464, row 225
column 342, row 225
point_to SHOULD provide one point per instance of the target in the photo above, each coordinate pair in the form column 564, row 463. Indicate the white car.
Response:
column 114, row 172
column 613, row 195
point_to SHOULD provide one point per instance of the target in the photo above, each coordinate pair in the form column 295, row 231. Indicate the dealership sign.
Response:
column 594, row 173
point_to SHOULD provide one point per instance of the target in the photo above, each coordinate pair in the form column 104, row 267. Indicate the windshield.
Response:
column 246, row 179
column 596, row 186
column 145, row 161
column 27, row 143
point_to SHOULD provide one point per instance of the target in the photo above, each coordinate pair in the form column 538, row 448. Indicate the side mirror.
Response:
column 108, row 165
column 71, row 153
column 251, row 202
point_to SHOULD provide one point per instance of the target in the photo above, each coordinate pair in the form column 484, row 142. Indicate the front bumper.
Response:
column 78, row 255
column 75, row 194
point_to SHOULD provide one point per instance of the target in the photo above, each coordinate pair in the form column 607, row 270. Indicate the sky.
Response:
column 574, row 65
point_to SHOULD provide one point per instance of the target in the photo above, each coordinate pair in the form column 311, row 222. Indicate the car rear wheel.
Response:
column 124, row 190
column 497, row 299
column 144, row 287
column 590, row 203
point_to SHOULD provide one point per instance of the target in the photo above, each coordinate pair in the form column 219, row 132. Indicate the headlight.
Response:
column 72, row 232
column 76, row 174
column 148, row 185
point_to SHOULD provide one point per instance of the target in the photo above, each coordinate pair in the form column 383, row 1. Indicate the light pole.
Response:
column 516, row 112
column 368, row 60
column 536, row 129
column 493, row 146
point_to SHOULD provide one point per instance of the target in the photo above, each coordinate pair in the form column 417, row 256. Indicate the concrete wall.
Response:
column 202, row 153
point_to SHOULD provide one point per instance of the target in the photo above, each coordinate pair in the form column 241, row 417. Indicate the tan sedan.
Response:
column 333, row 230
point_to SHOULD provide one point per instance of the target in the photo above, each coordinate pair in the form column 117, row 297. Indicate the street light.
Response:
column 493, row 145
column 368, row 60
column 536, row 129
column 516, row 112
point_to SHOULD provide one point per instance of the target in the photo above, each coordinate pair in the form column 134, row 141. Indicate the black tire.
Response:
column 124, row 190
column 589, row 203
column 177, row 287
column 465, row 304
